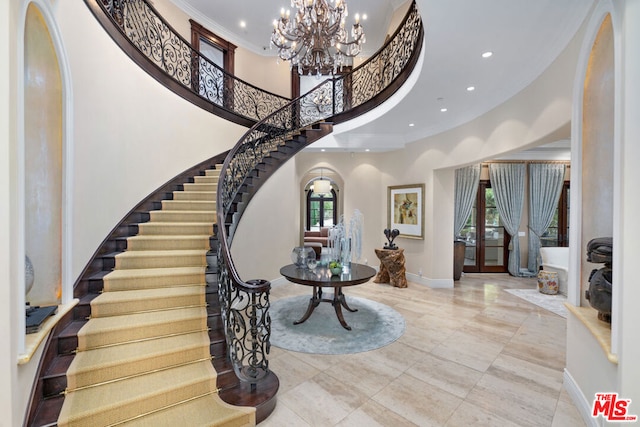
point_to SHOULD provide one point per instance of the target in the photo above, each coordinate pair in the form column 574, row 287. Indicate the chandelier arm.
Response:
column 316, row 39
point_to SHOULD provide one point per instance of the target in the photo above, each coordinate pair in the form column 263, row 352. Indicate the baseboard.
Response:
column 432, row 283
column 579, row 400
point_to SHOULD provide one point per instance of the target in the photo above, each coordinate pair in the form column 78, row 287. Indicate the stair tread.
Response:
column 168, row 385
column 183, row 414
column 169, row 236
column 99, row 275
column 142, row 294
column 160, row 253
column 72, row 329
column 130, row 353
column 153, row 272
column 48, row 411
column 182, row 212
column 114, row 330
column 174, row 223
column 125, row 321
column 59, row 365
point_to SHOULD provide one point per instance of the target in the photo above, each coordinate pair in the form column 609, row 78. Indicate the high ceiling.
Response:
column 525, row 36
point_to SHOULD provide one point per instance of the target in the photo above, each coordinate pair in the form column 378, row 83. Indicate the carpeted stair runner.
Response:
column 143, row 357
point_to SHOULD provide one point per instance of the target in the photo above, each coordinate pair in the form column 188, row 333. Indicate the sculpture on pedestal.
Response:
column 391, row 235
column 391, row 258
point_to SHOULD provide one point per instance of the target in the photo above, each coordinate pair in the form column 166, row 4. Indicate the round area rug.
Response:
column 374, row 325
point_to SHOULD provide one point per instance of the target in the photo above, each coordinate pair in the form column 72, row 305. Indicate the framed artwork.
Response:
column 405, row 210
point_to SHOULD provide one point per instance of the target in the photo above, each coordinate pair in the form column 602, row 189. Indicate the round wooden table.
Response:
column 321, row 277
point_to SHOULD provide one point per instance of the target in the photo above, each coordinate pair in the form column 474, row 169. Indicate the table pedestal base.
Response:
column 338, row 301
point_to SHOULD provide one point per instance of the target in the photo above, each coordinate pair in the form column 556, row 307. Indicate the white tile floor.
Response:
column 470, row 356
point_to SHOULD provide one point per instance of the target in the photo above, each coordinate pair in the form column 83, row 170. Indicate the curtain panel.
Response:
column 545, row 186
column 507, row 181
column 466, row 189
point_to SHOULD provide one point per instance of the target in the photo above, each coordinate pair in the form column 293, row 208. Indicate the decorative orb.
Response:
column 29, row 275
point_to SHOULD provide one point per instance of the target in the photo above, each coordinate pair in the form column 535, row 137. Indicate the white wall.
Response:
column 264, row 72
column 268, row 229
column 130, row 134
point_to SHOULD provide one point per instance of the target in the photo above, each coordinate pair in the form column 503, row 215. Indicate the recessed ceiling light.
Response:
column 243, row 24
column 487, row 54
column 471, row 88
column 323, row 150
column 411, row 125
column 367, row 150
column 364, row 16
column 443, row 110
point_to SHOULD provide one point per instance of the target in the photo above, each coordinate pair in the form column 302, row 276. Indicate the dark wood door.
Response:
column 487, row 241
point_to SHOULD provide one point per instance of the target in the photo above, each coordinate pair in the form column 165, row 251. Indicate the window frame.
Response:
column 227, row 48
column 322, row 200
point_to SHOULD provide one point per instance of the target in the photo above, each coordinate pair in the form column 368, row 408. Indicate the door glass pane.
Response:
column 314, row 210
column 494, row 232
column 468, row 233
column 210, row 78
column 494, row 246
column 211, row 52
column 494, row 236
column 328, row 213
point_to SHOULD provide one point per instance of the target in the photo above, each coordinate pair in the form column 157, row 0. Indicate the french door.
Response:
column 487, row 241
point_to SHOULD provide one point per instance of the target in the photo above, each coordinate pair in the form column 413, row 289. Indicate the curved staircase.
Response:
column 143, row 357
column 166, row 332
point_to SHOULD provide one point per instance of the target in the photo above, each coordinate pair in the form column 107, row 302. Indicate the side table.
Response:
column 392, row 268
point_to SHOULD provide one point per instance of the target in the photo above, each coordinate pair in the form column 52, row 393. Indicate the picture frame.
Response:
column 405, row 210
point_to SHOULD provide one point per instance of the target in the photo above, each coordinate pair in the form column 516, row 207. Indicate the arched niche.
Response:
column 43, row 159
column 596, row 151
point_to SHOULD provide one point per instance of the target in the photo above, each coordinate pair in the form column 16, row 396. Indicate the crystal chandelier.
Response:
column 315, row 39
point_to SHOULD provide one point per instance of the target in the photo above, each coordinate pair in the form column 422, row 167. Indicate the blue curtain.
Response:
column 466, row 189
column 545, row 186
column 507, row 181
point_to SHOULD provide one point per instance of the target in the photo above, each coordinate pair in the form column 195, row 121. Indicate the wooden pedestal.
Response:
column 392, row 268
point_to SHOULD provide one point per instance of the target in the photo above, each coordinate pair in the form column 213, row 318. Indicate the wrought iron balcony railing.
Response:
column 155, row 39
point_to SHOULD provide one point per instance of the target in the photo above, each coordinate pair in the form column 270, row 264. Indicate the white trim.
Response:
column 20, row 185
column 618, row 175
column 432, row 283
column 579, row 400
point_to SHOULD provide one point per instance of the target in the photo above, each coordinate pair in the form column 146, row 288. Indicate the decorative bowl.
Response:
column 300, row 254
column 336, row 271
